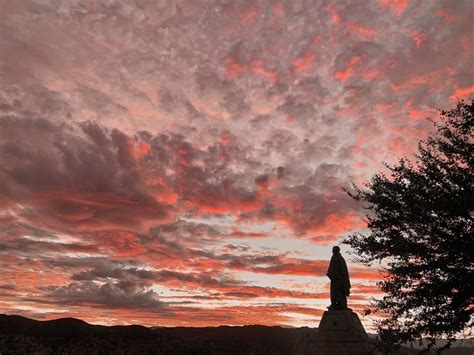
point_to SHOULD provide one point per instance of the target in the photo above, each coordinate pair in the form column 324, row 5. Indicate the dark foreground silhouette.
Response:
column 20, row 335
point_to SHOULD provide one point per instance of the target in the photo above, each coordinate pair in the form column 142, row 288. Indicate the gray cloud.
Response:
column 121, row 294
column 73, row 175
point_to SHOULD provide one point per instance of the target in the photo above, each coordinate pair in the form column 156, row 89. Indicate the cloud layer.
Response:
column 183, row 162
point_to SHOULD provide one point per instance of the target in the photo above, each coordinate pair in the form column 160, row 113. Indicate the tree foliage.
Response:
column 420, row 223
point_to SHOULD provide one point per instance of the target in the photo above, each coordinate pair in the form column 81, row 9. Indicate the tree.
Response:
column 420, row 229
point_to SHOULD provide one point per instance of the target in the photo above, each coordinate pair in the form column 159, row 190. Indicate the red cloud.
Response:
column 294, row 267
column 418, row 37
column 350, row 67
column 250, row 16
column 418, row 114
column 81, row 211
column 236, row 233
column 119, row 244
column 140, row 150
column 446, row 15
column 365, row 289
column 365, row 273
column 258, row 67
column 303, row 63
column 234, row 69
column 364, row 31
column 335, row 16
column 108, row 214
column 397, row 5
column 224, row 202
column 462, row 93
column 336, row 224
column 76, row 178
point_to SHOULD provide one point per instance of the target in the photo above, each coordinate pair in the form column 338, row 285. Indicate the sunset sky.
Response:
column 183, row 162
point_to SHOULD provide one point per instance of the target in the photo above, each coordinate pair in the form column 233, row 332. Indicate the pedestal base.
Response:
column 339, row 333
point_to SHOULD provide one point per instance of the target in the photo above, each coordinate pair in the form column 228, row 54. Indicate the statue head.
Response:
column 336, row 250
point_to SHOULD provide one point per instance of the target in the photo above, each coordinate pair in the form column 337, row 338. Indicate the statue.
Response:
column 340, row 284
column 340, row 330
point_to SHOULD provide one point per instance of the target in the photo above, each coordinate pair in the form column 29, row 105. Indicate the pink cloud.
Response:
column 397, row 5
column 350, row 68
column 303, row 63
column 163, row 147
column 364, row 31
column 446, row 15
column 462, row 93
column 335, row 16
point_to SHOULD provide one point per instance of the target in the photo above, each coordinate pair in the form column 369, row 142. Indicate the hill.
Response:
column 20, row 335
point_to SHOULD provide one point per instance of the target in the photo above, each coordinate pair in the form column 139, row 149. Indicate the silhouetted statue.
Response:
column 340, row 284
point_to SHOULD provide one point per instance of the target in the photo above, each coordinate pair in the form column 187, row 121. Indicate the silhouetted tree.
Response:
column 420, row 222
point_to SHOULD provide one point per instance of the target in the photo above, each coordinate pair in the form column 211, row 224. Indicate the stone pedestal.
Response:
column 339, row 333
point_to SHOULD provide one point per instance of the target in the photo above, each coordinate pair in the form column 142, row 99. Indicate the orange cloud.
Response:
column 288, row 266
column 343, row 75
column 446, row 15
column 397, row 5
column 335, row 224
column 140, row 150
column 303, row 63
column 250, row 16
column 365, row 273
column 466, row 43
column 462, row 93
column 418, row 114
column 258, row 68
column 119, row 243
column 418, row 37
column 81, row 211
column 224, row 138
column 366, row 289
column 227, row 204
column 277, row 9
column 168, row 197
column 364, row 31
column 335, row 16
column 235, row 69
column 259, row 132
column 435, row 80
column 237, row 233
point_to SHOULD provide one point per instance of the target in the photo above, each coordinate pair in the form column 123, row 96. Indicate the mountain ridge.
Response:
column 22, row 335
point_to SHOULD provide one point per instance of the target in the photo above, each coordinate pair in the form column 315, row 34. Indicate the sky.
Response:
column 170, row 163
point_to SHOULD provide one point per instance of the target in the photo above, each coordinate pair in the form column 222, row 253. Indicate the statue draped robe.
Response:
column 340, row 283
